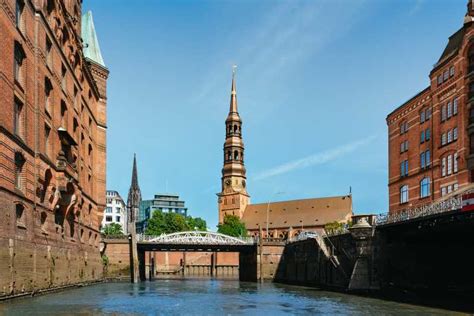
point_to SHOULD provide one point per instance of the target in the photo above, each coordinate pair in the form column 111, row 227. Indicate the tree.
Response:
column 112, row 229
column 167, row 223
column 232, row 226
column 196, row 223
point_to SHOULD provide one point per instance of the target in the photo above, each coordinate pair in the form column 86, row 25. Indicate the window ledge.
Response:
column 21, row 225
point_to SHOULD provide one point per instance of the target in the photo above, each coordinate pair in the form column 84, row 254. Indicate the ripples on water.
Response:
column 205, row 297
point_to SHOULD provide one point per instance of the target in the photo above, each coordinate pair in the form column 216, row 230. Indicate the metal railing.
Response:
column 196, row 238
column 450, row 203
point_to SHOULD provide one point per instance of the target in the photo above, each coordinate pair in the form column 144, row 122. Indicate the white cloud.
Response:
column 315, row 159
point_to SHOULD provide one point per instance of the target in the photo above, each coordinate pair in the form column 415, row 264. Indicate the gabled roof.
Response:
column 91, row 44
column 307, row 212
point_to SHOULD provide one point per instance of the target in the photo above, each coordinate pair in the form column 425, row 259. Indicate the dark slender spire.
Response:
column 134, row 173
column 134, row 194
column 233, row 94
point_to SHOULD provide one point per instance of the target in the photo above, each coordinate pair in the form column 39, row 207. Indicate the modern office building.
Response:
column 115, row 211
column 431, row 136
column 161, row 202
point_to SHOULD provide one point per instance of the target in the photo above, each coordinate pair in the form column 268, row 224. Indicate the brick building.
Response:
column 431, row 136
column 283, row 219
column 52, row 145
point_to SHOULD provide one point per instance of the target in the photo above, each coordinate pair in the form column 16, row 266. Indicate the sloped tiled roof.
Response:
column 309, row 212
column 454, row 43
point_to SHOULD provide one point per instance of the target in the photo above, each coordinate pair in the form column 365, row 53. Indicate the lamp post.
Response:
column 268, row 207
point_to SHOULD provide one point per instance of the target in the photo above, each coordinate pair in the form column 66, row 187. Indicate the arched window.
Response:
column 229, row 155
column 425, row 187
column 404, row 194
column 235, row 128
column 236, row 155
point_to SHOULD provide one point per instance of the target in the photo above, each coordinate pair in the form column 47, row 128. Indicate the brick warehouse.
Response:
column 52, row 145
column 431, row 136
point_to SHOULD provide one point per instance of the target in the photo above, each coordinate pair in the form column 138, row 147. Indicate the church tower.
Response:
column 233, row 198
column 133, row 204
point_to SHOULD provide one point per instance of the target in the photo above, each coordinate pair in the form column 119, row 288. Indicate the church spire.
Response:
column 135, row 173
column 233, row 93
column 134, row 194
column 233, row 197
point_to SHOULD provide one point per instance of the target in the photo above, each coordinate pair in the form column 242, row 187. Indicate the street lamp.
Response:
column 268, row 207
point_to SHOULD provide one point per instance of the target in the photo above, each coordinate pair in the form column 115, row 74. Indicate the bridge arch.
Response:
column 196, row 238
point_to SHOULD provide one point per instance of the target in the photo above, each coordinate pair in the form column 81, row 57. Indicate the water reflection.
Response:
column 205, row 297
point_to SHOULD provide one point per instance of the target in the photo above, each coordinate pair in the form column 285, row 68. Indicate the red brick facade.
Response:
column 439, row 165
column 52, row 147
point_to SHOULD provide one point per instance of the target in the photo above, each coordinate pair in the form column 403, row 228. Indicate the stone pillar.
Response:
column 363, row 233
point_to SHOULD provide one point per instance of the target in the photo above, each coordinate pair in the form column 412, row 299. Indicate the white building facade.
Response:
column 116, row 211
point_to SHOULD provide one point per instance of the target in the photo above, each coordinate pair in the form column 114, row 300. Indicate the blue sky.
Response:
column 315, row 82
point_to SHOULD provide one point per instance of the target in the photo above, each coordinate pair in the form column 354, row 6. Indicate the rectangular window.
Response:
column 48, row 87
column 450, row 136
column 75, row 96
column 422, row 137
column 422, row 160
column 443, row 113
column 422, row 116
column 427, row 134
column 19, row 13
column 117, row 218
column 443, row 167
column 450, row 109
column 63, row 77
column 446, row 75
column 47, row 132
column 18, row 117
column 64, row 119
column 18, row 59
column 451, row 71
column 443, row 139
column 440, row 79
column 108, row 218
column 450, row 188
column 455, row 106
column 427, row 158
column 443, row 191
column 455, row 133
column 455, row 162
column 450, row 164
column 455, row 186
column 428, row 114
column 49, row 47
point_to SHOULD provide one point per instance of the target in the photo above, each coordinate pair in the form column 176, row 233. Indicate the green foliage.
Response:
column 167, row 223
column 112, row 229
column 336, row 227
column 105, row 260
column 232, row 226
column 196, row 223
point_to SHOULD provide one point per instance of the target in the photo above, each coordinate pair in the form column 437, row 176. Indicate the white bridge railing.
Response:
column 196, row 238
column 450, row 203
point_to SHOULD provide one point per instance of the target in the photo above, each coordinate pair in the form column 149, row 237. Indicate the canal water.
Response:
column 205, row 297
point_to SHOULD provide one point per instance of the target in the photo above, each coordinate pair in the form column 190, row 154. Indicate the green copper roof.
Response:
column 89, row 37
